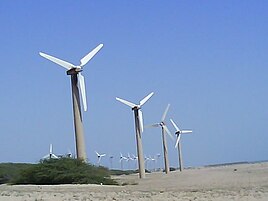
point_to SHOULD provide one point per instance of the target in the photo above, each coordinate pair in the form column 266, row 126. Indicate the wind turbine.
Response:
column 139, row 129
column 99, row 157
column 162, row 124
column 146, row 161
column 178, row 143
column 157, row 158
column 154, row 162
column 135, row 158
column 111, row 161
column 121, row 160
column 69, row 154
column 50, row 155
column 77, row 79
column 129, row 159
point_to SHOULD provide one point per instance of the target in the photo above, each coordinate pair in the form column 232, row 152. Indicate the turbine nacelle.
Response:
column 136, row 107
column 162, row 124
column 178, row 132
column 73, row 71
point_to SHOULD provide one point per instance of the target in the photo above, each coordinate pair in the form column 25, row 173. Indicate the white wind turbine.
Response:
column 121, row 160
column 139, row 129
column 99, row 156
column 146, row 161
column 165, row 130
column 69, row 154
column 50, row 155
column 77, row 79
column 129, row 159
column 157, row 159
column 178, row 143
column 111, row 161
column 154, row 161
column 135, row 158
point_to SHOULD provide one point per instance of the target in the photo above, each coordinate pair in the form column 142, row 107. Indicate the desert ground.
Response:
column 231, row 182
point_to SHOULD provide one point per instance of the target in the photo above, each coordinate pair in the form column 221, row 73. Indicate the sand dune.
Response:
column 234, row 182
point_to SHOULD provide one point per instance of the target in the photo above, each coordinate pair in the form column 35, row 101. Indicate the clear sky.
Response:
column 208, row 59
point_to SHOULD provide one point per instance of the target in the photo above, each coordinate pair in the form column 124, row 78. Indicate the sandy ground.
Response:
column 235, row 182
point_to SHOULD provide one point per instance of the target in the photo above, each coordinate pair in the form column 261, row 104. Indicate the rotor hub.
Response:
column 73, row 71
column 178, row 132
column 136, row 108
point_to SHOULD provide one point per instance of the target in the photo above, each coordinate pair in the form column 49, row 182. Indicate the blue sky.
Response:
column 208, row 59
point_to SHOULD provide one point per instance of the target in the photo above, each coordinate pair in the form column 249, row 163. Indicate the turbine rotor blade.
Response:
column 89, row 56
column 153, row 125
column 186, row 131
column 132, row 105
column 54, row 156
column 60, row 62
column 46, row 156
column 165, row 113
column 144, row 100
column 50, row 149
column 81, row 81
column 168, row 132
column 140, row 120
column 175, row 126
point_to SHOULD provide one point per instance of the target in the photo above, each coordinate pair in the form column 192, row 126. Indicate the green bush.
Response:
column 8, row 171
column 64, row 171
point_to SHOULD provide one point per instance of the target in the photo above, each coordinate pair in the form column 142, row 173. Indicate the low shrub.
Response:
column 64, row 171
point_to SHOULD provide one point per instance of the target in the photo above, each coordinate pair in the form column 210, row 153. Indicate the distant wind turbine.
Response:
column 178, row 143
column 99, row 156
column 135, row 158
column 69, row 154
column 77, row 79
column 139, row 129
column 162, row 124
column 111, row 161
column 121, row 160
column 50, row 155
column 129, row 159
column 146, row 161
column 154, row 161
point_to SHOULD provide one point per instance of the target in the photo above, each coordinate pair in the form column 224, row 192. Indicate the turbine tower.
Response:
column 77, row 79
column 178, row 143
column 164, row 131
column 139, row 129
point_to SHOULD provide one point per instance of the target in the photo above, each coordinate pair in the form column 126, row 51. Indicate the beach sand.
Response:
column 233, row 182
